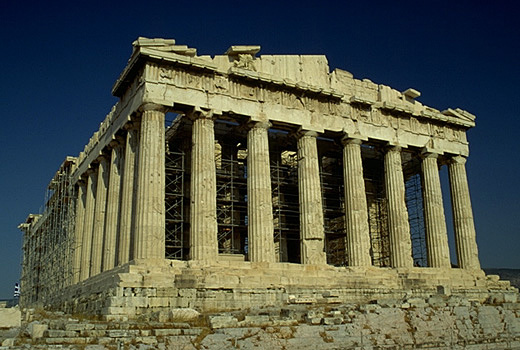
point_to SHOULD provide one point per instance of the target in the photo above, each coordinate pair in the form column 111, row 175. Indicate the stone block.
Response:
column 10, row 317
column 259, row 320
column 8, row 342
column 78, row 326
column 224, row 321
column 58, row 333
column 332, row 320
column 167, row 332
column 37, row 330
column 183, row 314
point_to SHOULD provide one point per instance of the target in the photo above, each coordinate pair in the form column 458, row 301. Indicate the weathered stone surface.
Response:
column 10, row 317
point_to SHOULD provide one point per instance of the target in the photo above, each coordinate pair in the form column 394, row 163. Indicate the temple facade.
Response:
column 242, row 180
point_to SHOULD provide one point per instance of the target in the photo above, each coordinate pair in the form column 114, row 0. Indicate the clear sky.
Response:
column 59, row 61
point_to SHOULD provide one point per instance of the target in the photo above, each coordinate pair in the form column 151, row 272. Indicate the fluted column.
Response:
column 436, row 234
column 463, row 224
column 99, row 217
column 150, row 209
column 112, row 213
column 86, row 241
column 203, row 189
column 398, row 225
column 260, row 228
column 356, row 214
column 127, row 212
column 311, row 209
column 78, row 230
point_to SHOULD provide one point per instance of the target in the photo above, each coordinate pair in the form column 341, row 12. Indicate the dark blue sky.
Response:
column 59, row 61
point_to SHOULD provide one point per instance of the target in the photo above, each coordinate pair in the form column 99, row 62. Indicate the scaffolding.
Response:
column 231, row 198
column 174, row 203
column 49, row 243
column 373, row 172
column 286, row 213
column 333, row 201
column 414, row 204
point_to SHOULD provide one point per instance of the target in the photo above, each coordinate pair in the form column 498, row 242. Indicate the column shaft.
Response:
column 86, row 241
column 127, row 212
column 78, row 231
column 436, row 234
column 150, row 209
column 398, row 225
column 259, row 197
column 203, row 190
column 99, row 217
column 112, row 214
column 463, row 224
column 356, row 215
column 312, row 236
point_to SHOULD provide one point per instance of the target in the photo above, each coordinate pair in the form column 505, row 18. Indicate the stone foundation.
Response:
column 146, row 286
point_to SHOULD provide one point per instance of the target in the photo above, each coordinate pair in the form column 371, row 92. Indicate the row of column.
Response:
column 122, row 199
column 312, row 239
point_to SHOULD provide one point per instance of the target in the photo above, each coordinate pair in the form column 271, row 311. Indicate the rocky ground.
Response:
column 437, row 322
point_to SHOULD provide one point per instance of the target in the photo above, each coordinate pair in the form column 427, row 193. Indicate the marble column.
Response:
column 312, row 236
column 435, row 222
column 463, row 224
column 203, row 189
column 86, row 241
column 150, row 209
column 398, row 225
column 112, row 213
column 78, row 230
column 356, row 215
column 260, row 228
column 127, row 211
column 99, row 217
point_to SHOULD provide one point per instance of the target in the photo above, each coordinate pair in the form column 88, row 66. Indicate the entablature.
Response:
column 266, row 88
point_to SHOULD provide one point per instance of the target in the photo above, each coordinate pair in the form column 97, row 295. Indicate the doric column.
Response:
column 311, row 209
column 398, row 225
column 112, row 214
column 99, row 217
column 259, row 198
column 356, row 215
column 436, row 234
column 78, row 231
column 150, row 209
column 463, row 224
column 127, row 217
column 203, row 189
column 86, row 241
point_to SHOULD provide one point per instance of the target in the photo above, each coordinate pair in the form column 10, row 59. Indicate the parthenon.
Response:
column 242, row 179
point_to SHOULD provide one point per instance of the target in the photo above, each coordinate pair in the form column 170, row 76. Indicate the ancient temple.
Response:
column 245, row 180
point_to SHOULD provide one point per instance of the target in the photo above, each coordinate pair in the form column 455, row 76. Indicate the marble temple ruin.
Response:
column 242, row 180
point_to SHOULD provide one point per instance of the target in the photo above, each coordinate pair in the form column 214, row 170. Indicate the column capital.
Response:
column 149, row 106
column 198, row 113
column 429, row 154
column 254, row 124
column 458, row 159
column 117, row 141
column 347, row 140
column 103, row 157
column 131, row 125
column 393, row 148
column 306, row 133
column 82, row 182
column 91, row 169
